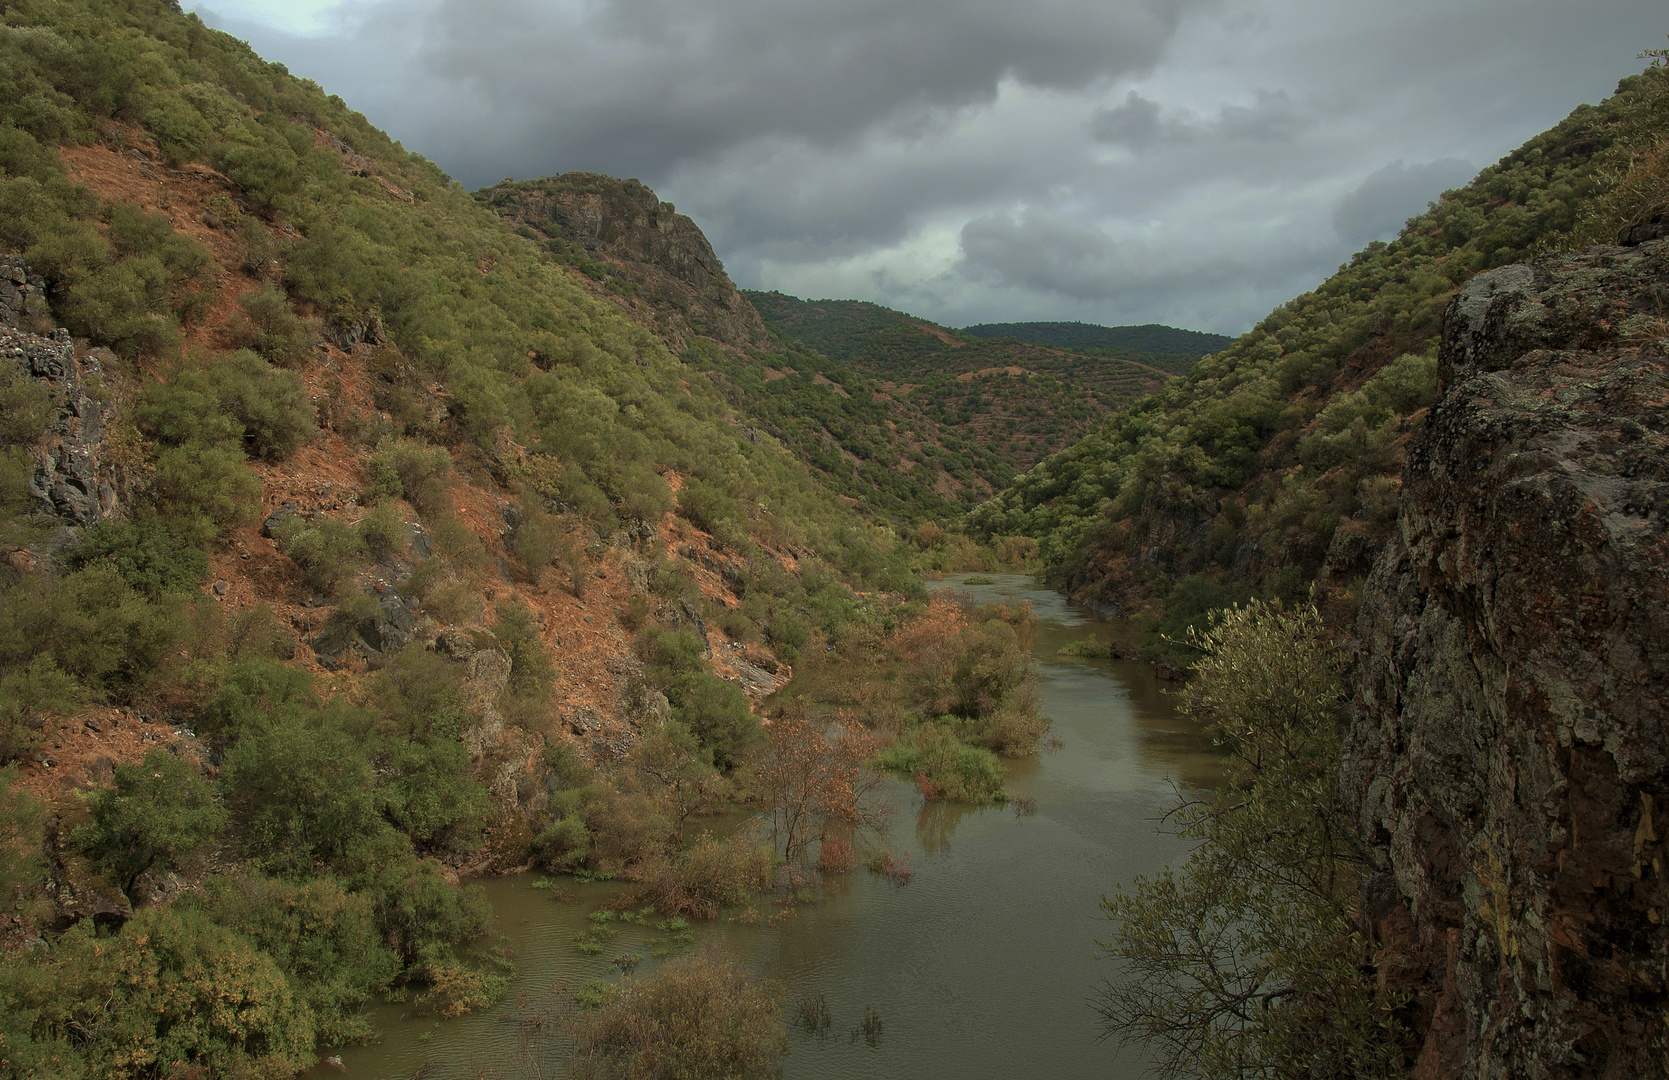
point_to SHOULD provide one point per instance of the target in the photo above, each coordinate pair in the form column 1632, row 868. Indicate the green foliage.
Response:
column 383, row 531
column 944, row 767
column 270, row 328
column 530, row 664
column 322, row 937
column 202, row 491
column 159, row 811
column 22, row 864
column 1246, row 962
column 149, row 560
column 703, row 1017
column 1271, row 443
column 328, row 550
column 301, row 797
column 26, row 407
column 171, row 989
column 410, row 470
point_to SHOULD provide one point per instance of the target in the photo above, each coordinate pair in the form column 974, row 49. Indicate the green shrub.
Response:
column 702, row 1016
column 410, row 470
column 327, row 550
column 944, row 767
column 159, row 811
column 530, row 665
column 170, row 987
column 26, row 407
column 323, row 938
column 562, row 844
column 254, row 693
column 271, row 404
column 268, row 326
column 202, row 491
column 706, row 506
column 148, row 559
column 383, row 531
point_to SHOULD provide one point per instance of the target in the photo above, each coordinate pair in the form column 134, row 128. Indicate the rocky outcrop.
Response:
column 657, row 254
column 1508, row 763
column 72, row 482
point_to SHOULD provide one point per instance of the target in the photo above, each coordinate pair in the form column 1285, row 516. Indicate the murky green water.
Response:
column 983, row 966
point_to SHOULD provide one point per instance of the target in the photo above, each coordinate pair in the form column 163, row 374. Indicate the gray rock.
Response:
column 1507, row 766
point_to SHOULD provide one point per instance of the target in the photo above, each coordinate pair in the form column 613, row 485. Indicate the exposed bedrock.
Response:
column 1508, row 762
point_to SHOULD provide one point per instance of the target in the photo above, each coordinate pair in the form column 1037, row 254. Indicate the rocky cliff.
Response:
column 1508, row 764
column 653, row 259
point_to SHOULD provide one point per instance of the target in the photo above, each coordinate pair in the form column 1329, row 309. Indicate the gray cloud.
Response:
column 1140, row 124
column 1377, row 208
column 1197, row 161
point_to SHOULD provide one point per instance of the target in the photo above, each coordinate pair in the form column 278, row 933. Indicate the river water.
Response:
column 984, row 965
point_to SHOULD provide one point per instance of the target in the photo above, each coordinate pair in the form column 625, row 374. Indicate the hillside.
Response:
column 352, row 543
column 1163, row 347
column 1275, row 463
column 905, row 449
column 1019, row 400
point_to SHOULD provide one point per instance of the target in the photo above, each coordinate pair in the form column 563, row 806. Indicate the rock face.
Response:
column 661, row 255
column 1508, row 763
column 72, row 481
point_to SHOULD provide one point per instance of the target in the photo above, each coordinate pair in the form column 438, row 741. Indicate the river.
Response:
column 984, row 965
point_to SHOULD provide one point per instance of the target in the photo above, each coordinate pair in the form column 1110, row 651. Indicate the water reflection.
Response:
column 935, row 821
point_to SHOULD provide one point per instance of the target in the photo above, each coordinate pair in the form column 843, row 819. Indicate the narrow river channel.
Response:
column 983, row 966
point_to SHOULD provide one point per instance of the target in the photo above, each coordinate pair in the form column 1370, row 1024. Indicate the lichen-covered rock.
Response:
column 1508, row 764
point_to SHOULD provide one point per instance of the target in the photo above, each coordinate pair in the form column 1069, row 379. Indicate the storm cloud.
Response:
column 1185, row 161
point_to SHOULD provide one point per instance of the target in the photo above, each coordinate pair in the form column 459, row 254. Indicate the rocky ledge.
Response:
column 1508, row 761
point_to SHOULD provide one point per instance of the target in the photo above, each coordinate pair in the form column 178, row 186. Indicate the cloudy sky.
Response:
column 1194, row 162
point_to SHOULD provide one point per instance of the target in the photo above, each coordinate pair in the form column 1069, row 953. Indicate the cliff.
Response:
column 655, row 261
column 1508, row 762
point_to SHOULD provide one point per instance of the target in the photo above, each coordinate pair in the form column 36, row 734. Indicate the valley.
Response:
column 456, row 633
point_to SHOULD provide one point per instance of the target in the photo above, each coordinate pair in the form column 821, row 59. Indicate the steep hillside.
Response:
column 351, row 543
column 640, row 249
column 896, row 450
column 1276, row 462
column 1163, row 347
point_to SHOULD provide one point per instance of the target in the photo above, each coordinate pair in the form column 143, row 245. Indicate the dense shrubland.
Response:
column 1242, row 474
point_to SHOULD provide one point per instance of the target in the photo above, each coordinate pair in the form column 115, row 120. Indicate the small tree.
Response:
column 160, row 810
column 811, row 781
column 1246, row 962
column 672, row 759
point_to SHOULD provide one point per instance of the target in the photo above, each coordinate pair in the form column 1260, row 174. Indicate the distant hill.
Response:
column 1164, row 347
column 1015, row 400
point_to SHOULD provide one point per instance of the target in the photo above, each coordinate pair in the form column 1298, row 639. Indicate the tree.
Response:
column 671, row 758
column 160, row 810
column 811, row 781
column 1246, row 962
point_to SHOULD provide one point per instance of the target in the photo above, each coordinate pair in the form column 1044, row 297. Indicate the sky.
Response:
column 1190, row 162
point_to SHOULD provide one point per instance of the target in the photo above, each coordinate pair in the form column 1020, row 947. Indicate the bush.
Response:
column 171, row 987
column 268, row 326
column 327, row 550
column 272, row 405
column 704, row 1017
column 563, row 844
column 202, row 491
column 944, row 767
column 706, row 506
column 410, row 470
column 158, row 811
column 383, row 531
column 148, row 559
column 322, row 937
